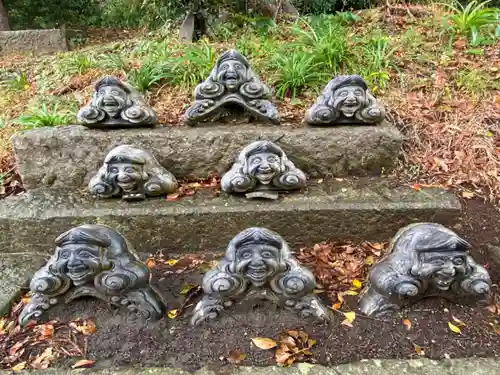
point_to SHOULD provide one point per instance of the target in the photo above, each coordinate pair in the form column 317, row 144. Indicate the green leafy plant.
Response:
column 147, row 76
column 77, row 64
column 44, row 116
column 294, row 72
column 114, row 61
column 376, row 62
column 325, row 40
column 194, row 66
column 468, row 20
column 16, row 82
column 472, row 81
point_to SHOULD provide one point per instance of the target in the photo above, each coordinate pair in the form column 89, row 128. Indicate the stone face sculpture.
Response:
column 258, row 264
column 116, row 105
column 232, row 83
column 425, row 259
column 345, row 101
column 96, row 261
column 133, row 174
column 262, row 169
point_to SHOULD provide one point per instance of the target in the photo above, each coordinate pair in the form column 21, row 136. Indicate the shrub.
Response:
column 147, row 76
column 193, row 66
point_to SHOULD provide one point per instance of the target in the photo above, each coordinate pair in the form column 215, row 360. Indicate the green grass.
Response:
column 15, row 82
column 79, row 63
column 474, row 82
column 44, row 116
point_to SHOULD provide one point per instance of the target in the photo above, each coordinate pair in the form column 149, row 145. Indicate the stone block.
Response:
column 15, row 273
column 68, row 156
column 204, row 222
column 36, row 42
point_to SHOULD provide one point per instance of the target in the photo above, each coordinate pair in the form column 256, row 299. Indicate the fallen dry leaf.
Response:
column 172, row 262
column 172, row 314
column 468, row 194
column 407, row 324
column 357, row 284
column 458, row 321
column 419, row 350
column 454, row 328
column 87, row 327
column 416, row 187
column 46, row 331
column 172, row 197
column 20, row 366
column 150, row 263
column 83, row 363
column 351, row 293
column 186, row 288
column 235, row 357
column 264, row 343
column 350, row 316
column 43, row 360
column 336, row 306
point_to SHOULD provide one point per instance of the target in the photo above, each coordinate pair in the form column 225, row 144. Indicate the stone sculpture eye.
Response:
column 256, row 161
column 64, row 254
column 223, row 67
column 343, row 93
column 113, row 170
column 84, row 254
column 114, row 92
column 246, row 255
column 266, row 254
column 130, row 170
column 458, row 261
column 358, row 93
column 272, row 159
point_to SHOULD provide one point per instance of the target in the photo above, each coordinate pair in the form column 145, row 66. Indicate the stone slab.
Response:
column 70, row 155
column 36, row 41
column 342, row 211
column 469, row 366
column 15, row 273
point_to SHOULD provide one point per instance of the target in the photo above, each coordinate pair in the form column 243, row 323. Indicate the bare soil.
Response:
column 123, row 340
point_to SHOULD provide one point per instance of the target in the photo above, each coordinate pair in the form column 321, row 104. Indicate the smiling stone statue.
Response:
column 261, row 170
column 345, row 101
column 96, row 261
column 258, row 263
column 231, row 85
column 114, row 105
column 133, row 174
column 424, row 260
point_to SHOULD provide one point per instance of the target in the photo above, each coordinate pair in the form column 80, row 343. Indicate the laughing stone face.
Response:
column 443, row 268
column 264, row 166
column 79, row 262
column 111, row 99
column 349, row 100
column 232, row 73
column 257, row 262
column 125, row 175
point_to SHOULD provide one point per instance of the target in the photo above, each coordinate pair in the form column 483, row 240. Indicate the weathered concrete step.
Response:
column 68, row 156
column 343, row 210
column 15, row 272
column 468, row 366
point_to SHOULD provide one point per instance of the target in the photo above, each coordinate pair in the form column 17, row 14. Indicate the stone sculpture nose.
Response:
column 448, row 269
column 257, row 260
column 122, row 177
column 350, row 98
column 72, row 262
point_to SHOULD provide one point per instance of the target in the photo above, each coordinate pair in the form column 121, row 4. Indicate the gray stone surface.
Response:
column 15, row 272
column 341, row 211
column 470, row 366
column 35, row 41
column 49, row 156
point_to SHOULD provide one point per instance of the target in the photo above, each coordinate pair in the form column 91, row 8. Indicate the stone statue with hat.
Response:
column 345, row 101
column 232, row 84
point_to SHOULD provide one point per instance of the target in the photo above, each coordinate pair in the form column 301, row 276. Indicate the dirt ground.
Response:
column 124, row 340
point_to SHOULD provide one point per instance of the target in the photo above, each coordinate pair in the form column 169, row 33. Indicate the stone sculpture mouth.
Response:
column 257, row 273
column 126, row 185
column 78, row 272
column 265, row 176
column 443, row 283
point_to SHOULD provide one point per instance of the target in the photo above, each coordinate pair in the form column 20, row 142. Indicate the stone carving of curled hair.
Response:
column 295, row 282
column 222, row 282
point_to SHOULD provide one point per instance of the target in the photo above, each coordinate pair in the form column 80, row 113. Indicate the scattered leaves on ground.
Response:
column 407, row 324
column 83, row 363
column 291, row 346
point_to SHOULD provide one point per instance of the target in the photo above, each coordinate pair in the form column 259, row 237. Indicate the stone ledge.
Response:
column 342, row 211
column 36, row 41
column 68, row 156
column 468, row 366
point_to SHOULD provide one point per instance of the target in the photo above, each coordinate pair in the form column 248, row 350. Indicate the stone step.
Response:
column 15, row 272
column 346, row 210
column 68, row 156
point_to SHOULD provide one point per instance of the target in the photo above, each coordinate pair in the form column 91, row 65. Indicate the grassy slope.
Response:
column 442, row 93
